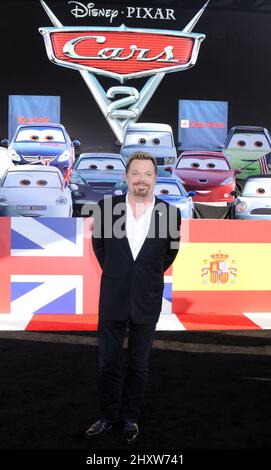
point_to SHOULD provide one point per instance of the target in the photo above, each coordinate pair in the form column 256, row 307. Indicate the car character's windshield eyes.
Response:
column 93, row 167
column 156, row 141
column 210, row 165
column 241, row 143
column 34, row 137
column 260, row 191
column 41, row 183
column 25, row 182
column 195, row 165
column 164, row 191
column 258, row 143
column 49, row 137
column 109, row 167
column 142, row 141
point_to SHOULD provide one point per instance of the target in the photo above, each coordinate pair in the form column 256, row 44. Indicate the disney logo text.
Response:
column 80, row 11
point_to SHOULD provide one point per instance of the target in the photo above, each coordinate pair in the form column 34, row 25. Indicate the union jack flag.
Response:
column 49, row 278
column 263, row 162
column 67, row 177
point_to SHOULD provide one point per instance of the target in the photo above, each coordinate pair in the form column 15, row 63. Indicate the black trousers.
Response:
column 122, row 395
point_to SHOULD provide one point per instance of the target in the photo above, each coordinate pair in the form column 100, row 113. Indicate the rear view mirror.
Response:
column 5, row 143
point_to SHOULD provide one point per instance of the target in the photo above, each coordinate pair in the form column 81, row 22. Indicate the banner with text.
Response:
column 27, row 109
column 202, row 124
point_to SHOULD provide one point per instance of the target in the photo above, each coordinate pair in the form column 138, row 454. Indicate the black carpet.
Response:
column 207, row 390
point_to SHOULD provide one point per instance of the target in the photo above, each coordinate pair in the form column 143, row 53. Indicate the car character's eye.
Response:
column 142, row 141
column 241, row 143
column 41, row 182
column 210, row 165
column 260, row 191
column 25, row 182
column 195, row 165
column 164, row 191
column 49, row 137
column 93, row 167
column 258, row 143
column 109, row 167
column 34, row 137
column 156, row 141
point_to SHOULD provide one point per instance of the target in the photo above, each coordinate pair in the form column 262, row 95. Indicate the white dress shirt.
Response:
column 137, row 229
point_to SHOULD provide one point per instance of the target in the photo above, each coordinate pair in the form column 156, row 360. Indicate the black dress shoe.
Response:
column 99, row 428
column 130, row 431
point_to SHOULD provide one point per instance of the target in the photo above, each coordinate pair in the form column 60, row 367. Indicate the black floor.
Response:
column 209, row 391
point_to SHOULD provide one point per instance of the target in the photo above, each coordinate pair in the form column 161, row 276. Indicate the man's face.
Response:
column 141, row 178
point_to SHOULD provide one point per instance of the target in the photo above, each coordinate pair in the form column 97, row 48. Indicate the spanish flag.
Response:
column 222, row 272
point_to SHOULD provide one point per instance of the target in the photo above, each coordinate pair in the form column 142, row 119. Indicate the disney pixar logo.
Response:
column 80, row 10
column 121, row 53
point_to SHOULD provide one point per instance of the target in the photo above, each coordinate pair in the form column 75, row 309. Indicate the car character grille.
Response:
column 160, row 160
column 38, row 158
column 31, row 208
column 102, row 188
column 262, row 210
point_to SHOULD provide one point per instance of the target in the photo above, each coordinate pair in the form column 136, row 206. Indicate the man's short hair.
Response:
column 141, row 156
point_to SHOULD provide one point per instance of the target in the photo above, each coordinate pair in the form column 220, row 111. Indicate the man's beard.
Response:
column 142, row 192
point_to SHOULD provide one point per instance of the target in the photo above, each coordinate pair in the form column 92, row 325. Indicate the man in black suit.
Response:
column 135, row 239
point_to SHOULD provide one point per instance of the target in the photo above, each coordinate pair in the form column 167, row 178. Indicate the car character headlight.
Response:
column 61, row 201
column 3, row 201
column 241, row 207
column 228, row 180
column 15, row 156
column 169, row 160
column 79, row 195
column 64, row 156
column 76, row 179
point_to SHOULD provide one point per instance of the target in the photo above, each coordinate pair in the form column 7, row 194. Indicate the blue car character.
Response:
column 171, row 190
column 94, row 176
column 45, row 144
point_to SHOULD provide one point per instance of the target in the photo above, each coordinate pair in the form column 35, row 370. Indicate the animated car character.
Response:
column 255, row 200
column 208, row 173
column 34, row 191
column 94, row 175
column 154, row 138
column 46, row 144
column 171, row 190
column 5, row 161
column 244, row 146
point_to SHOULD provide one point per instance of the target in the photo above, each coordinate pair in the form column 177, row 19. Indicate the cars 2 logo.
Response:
column 122, row 54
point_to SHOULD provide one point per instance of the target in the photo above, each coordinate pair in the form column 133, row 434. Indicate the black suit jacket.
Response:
column 133, row 288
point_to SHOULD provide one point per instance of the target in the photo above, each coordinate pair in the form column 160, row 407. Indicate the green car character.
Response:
column 244, row 146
